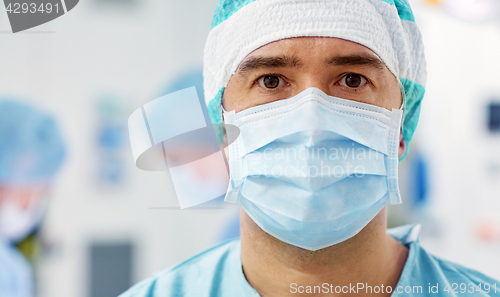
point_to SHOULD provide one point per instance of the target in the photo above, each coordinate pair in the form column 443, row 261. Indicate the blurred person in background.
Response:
column 316, row 76
column 31, row 152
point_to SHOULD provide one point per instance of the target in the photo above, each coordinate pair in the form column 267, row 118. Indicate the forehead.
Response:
column 311, row 48
column 312, row 61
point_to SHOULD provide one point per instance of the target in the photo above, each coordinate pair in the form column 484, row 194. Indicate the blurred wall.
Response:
column 463, row 157
column 131, row 52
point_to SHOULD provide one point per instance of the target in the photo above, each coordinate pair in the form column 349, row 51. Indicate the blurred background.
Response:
column 109, row 224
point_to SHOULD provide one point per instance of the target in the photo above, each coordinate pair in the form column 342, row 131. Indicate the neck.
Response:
column 275, row 268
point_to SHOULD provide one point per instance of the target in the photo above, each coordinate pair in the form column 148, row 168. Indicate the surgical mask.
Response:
column 17, row 222
column 314, row 170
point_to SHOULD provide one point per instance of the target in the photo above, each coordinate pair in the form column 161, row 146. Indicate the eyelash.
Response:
column 337, row 82
column 352, row 89
column 269, row 74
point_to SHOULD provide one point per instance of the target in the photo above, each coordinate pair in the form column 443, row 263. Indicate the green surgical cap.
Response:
column 387, row 27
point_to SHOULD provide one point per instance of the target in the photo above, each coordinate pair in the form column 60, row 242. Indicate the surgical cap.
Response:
column 387, row 27
column 31, row 146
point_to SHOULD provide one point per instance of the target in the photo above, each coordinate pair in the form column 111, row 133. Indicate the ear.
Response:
column 402, row 146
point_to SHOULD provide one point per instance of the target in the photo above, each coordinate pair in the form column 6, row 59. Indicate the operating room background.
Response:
column 92, row 67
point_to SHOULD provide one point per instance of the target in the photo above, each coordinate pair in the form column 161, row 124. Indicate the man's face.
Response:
column 338, row 67
column 21, row 209
column 23, row 197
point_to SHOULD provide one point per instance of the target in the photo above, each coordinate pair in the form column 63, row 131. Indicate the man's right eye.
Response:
column 270, row 81
column 353, row 80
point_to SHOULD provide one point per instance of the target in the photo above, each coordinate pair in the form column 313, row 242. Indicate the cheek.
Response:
column 398, row 97
column 227, row 100
column 393, row 95
column 235, row 95
column 390, row 97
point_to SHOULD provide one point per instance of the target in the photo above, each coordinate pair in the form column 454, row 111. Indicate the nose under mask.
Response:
column 314, row 170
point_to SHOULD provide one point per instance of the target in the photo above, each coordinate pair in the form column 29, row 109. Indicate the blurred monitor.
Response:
column 494, row 117
column 111, row 268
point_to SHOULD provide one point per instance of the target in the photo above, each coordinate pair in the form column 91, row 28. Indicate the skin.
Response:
column 23, row 196
column 372, row 256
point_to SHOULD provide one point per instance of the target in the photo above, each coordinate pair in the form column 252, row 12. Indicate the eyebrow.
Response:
column 255, row 63
column 356, row 60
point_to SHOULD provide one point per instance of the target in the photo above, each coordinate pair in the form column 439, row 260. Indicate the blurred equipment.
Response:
column 421, row 180
column 118, row 3
column 111, row 268
column 232, row 229
column 494, row 117
column 31, row 152
column 111, row 143
column 488, row 230
column 433, row 1
column 473, row 10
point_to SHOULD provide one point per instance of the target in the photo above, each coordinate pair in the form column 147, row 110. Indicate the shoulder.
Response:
column 455, row 272
column 427, row 273
column 15, row 274
column 449, row 277
column 190, row 277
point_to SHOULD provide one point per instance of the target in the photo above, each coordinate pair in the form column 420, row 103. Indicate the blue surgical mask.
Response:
column 314, row 170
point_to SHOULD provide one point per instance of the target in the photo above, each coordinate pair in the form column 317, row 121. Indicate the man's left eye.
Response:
column 271, row 81
column 353, row 80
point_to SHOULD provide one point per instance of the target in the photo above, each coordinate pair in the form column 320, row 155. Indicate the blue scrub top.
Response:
column 16, row 277
column 217, row 272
